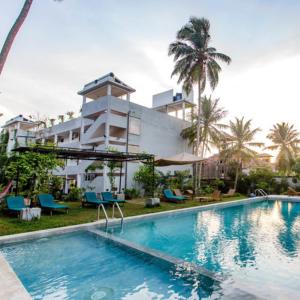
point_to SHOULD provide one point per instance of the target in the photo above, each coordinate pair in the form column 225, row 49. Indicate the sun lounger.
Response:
column 169, row 196
column 91, row 198
column 230, row 193
column 15, row 204
column 292, row 192
column 108, row 197
column 177, row 192
column 47, row 202
column 216, row 196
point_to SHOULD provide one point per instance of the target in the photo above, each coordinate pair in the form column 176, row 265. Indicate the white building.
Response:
column 109, row 120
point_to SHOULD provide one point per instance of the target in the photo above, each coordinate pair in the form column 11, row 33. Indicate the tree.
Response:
column 144, row 177
column 33, row 170
column 196, row 61
column 52, row 121
column 210, row 127
column 285, row 140
column 61, row 118
column 13, row 32
column 70, row 114
column 239, row 144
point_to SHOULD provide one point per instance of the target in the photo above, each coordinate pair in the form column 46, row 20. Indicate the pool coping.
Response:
column 8, row 276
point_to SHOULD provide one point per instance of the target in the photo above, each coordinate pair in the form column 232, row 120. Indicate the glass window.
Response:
column 134, row 126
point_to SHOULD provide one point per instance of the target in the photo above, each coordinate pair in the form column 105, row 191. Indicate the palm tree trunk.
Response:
column 198, row 132
column 13, row 32
column 236, row 176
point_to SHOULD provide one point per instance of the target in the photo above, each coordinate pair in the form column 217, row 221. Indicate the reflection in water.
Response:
column 288, row 237
column 253, row 243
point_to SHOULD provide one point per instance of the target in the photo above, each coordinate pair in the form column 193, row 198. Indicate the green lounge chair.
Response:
column 15, row 204
column 169, row 196
column 108, row 197
column 47, row 202
column 91, row 198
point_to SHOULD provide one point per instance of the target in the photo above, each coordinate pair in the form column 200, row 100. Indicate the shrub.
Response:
column 75, row 194
column 131, row 193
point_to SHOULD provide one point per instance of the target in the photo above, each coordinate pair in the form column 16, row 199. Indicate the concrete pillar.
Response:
column 55, row 139
column 183, row 110
column 176, row 113
column 78, row 180
column 66, row 184
column 128, row 97
column 108, row 90
column 83, row 100
column 70, row 135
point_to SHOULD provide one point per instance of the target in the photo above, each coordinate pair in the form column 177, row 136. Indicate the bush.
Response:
column 131, row 193
column 75, row 194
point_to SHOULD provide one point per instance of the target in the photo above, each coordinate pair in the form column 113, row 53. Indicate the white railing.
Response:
column 260, row 192
column 104, row 211
column 120, row 211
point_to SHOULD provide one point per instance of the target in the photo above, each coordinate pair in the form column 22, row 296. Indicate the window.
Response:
column 134, row 126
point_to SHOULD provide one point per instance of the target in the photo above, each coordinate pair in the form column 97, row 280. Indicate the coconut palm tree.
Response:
column 14, row 31
column 52, row 121
column 196, row 61
column 211, row 128
column 61, row 118
column 239, row 145
column 285, row 139
column 70, row 114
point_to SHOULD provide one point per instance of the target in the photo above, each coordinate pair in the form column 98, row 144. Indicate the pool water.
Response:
column 255, row 245
column 83, row 266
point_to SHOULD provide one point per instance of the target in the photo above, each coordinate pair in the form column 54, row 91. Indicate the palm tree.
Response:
column 196, row 61
column 14, row 31
column 52, row 121
column 210, row 126
column 285, row 139
column 70, row 114
column 61, row 118
column 239, row 144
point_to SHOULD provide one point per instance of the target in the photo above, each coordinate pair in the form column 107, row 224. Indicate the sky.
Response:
column 63, row 45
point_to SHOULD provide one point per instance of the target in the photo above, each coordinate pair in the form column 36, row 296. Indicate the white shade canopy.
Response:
column 183, row 158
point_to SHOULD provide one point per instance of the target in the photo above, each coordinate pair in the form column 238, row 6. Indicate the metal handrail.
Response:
column 120, row 211
column 261, row 192
column 104, row 211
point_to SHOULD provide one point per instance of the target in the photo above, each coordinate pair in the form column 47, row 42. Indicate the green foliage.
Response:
column 144, row 177
column 3, row 155
column 75, row 194
column 207, row 189
column 112, row 167
column 56, row 186
column 296, row 167
column 132, row 193
column 33, row 170
column 218, row 184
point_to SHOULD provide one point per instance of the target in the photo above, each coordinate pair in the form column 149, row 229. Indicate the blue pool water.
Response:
column 84, row 266
column 256, row 245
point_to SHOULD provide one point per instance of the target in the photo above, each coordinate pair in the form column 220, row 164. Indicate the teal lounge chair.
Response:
column 15, row 204
column 47, row 202
column 108, row 197
column 91, row 198
column 169, row 196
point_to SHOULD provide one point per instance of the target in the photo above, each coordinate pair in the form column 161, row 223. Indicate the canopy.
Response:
column 183, row 158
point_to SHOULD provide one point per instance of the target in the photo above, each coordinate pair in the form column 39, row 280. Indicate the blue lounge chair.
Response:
column 91, row 198
column 15, row 204
column 47, row 202
column 169, row 196
column 108, row 197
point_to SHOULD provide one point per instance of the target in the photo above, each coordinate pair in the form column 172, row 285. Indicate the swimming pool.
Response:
column 252, row 245
column 256, row 245
column 83, row 266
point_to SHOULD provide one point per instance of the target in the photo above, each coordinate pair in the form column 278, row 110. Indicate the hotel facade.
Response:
column 109, row 120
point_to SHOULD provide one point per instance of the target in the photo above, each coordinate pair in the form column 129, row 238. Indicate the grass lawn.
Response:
column 10, row 224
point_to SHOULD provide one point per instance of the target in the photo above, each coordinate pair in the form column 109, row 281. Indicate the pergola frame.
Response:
column 92, row 155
